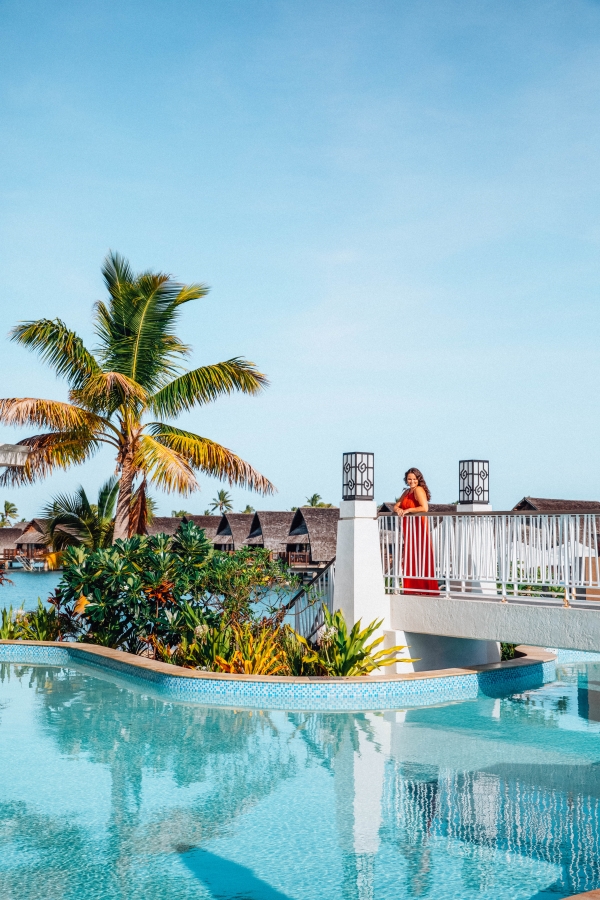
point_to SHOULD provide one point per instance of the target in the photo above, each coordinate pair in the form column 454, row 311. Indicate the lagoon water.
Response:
column 26, row 587
column 111, row 792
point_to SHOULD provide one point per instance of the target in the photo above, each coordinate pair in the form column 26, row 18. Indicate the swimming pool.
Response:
column 108, row 791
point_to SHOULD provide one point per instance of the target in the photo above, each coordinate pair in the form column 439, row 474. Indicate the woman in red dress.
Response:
column 417, row 552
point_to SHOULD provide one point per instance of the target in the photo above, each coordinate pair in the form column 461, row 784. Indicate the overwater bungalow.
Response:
column 233, row 531
column 270, row 529
column 312, row 537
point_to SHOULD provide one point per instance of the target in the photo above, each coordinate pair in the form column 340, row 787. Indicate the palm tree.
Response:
column 249, row 509
column 9, row 513
column 222, row 502
column 73, row 520
column 133, row 374
column 180, row 513
column 316, row 501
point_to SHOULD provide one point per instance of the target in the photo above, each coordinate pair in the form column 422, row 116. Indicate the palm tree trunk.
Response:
column 121, row 531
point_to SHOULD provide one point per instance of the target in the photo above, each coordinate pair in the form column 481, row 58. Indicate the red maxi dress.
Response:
column 417, row 552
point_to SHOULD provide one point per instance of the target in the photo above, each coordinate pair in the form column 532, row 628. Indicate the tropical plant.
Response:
column 248, row 509
column 222, row 502
column 316, row 501
column 340, row 652
column 9, row 625
column 248, row 585
column 40, row 625
column 124, row 595
column 180, row 513
column 133, row 374
column 8, row 514
column 72, row 520
column 255, row 654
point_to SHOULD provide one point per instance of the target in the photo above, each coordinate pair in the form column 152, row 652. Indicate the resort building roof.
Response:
column 9, row 537
column 270, row 530
column 545, row 505
column 234, row 529
column 33, row 534
column 321, row 527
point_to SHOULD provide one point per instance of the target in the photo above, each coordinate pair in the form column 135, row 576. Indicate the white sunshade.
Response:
column 13, row 454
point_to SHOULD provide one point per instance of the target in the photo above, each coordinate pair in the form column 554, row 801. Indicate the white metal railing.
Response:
column 530, row 557
column 307, row 604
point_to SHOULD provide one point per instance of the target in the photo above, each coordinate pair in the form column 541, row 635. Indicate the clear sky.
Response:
column 395, row 203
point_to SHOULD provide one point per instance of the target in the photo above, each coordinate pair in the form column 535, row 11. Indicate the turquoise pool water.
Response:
column 26, row 587
column 110, row 792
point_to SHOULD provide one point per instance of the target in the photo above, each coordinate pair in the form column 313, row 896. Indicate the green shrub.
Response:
column 340, row 652
column 39, row 625
column 9, row 627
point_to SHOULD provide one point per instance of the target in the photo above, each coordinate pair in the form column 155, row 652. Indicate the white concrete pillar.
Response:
column 359, row 588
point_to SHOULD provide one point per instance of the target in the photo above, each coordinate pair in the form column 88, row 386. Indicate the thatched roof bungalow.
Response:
column 33, row 536
column 233, row 531
column 316, row 528
column 8, row 539
column 270, row 530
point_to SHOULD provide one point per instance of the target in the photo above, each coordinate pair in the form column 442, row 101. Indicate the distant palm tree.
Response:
column 180, row 513
column 133, row 374
column 316, row 501
column 8, row 514
column 73, row 520
column 249, row 509
column 222, row 503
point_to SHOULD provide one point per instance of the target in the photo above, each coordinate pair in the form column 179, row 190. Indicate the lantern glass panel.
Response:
column 358, row 476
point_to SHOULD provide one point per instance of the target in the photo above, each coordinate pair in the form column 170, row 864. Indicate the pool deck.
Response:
column 388, row 691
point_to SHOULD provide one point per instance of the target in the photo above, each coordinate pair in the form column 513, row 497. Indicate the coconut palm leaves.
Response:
column 135, row 374
column 73, row 520
column 8, row 513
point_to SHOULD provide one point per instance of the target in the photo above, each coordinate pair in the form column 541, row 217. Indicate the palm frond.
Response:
column 107, row 498
column 106, row 391
column 54, row 450
column 136, row 328
column 165, row 467
column 59, row 347
column 49, row 414
column 205, row 384
column 210, row 457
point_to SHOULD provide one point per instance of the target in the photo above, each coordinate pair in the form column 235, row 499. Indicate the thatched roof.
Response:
column 236, row 527
column 544, row 505
column 9, row 538
column 270, row 529
column 34, row 533
column 321, row 526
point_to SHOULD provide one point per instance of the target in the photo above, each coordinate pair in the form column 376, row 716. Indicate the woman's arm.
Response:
column 397, row 508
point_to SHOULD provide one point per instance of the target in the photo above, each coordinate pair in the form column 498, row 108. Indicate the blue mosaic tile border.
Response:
column 292, row 695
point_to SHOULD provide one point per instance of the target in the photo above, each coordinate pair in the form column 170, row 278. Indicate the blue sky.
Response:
column 395, row 205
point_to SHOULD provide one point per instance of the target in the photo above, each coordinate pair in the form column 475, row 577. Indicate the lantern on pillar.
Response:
column 474, row 481
column 358, row 476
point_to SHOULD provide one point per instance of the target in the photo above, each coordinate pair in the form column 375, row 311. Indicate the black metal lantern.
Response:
column 474, row 481
column 358, row 476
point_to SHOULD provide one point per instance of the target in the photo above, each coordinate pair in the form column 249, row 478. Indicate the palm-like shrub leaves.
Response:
column 135, row 372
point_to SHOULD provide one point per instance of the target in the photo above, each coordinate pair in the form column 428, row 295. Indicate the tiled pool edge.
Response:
column 246, row 691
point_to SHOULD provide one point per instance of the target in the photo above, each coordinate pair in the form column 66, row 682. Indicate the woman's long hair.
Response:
column 422, row 483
